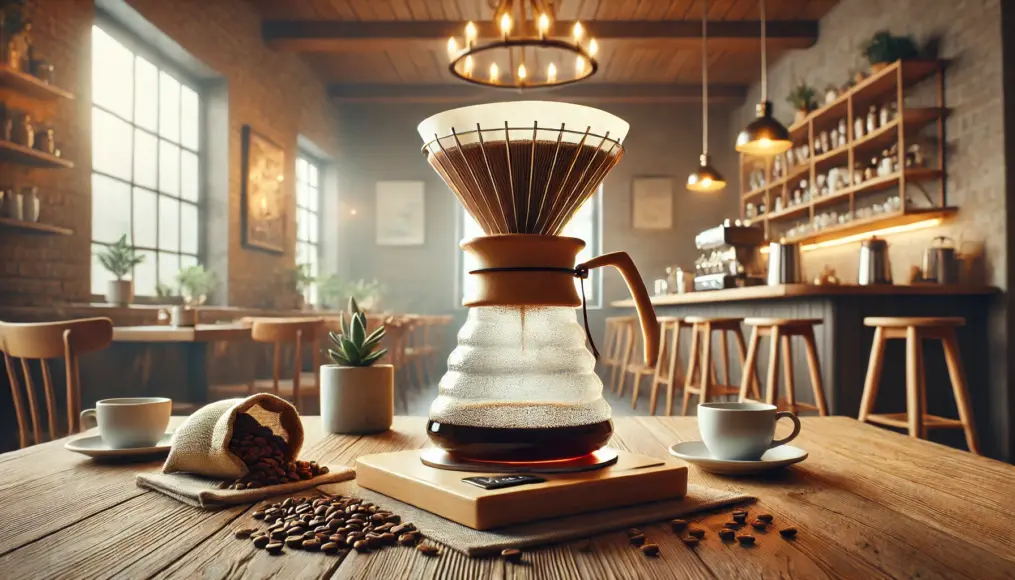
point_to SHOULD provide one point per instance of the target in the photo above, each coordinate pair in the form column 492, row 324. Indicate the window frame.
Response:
column 594, row 281
column 312, row 161
column 163, row 64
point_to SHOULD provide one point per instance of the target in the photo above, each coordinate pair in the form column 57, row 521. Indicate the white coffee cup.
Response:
column 128, row 423
column 741, row 431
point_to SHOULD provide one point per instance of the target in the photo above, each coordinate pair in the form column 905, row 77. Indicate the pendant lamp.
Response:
column 706, row 177
column 764, row 136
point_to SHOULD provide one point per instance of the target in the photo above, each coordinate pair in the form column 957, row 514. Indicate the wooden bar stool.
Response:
column 701, row 361
column 613, row 347
column 668, row 365
column 916, row 418
column 631, row 360
column 781, row 330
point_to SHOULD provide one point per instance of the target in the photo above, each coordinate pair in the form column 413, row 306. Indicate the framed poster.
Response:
column 265, row 209
column 652, row 203
column 401, row 213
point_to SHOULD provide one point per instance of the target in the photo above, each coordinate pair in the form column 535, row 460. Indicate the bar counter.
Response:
column 843, row 342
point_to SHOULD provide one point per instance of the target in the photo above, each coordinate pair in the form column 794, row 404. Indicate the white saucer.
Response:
column 696, row 453
column 95, row 447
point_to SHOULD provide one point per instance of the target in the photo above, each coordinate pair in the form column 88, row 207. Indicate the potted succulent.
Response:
column 303, row 279
column 195, row 284
column 120, row 259
column 357, row 394
column 883, row 49
column 803, row 99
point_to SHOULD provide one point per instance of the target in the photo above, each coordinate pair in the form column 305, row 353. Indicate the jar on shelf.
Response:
column 777, row 204
column 22, row 130
column 842, row 132
column 46, row 141
column 858, row 128
column 823, row 139
column 30, row 203
column 884, row 115
column 884, row 164
column 872, row 119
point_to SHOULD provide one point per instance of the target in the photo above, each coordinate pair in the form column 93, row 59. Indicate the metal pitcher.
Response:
column 874, row 265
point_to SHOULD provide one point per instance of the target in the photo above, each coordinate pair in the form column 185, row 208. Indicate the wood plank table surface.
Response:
column 166, row 333
column 868, row 503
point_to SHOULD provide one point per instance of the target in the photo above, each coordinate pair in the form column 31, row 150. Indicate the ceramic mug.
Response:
column 128, row 423
column 742, row 431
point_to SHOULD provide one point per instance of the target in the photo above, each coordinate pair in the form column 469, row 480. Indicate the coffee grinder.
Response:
column 520, row 425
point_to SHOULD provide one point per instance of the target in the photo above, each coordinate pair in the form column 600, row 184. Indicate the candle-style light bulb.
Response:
column 543, row 24
column 505, row 24
column 522, row 73
column 579, row 64
column 494, row 72
column 578, row 31
column 593, row 47
column 452, row 46
column 551, row 73
column 468, row 66
column 470, row 34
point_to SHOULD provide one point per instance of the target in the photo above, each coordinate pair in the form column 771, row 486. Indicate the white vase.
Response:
column 120, row 292
column 357, row 399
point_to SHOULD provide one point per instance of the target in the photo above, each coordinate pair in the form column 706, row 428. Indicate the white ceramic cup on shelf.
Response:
column 742, row 431
column 129, row 422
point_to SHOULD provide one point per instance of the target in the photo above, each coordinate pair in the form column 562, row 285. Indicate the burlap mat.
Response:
column 209, row 494
column 478, row 543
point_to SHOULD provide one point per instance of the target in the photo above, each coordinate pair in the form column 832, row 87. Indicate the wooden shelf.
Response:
column 30, row 85
column 912, row 121
column 832, row 198
column 789, row 211
column 755, row 192
column 833, row 154
column 873, row 223
column 798, row 170
column 892, row 179
column 34, row 227
column 11, row 152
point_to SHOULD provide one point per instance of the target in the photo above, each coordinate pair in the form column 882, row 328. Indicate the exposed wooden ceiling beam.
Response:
column 581, row 92
column 343, row 36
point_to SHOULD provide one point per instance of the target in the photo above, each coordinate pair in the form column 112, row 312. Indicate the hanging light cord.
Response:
column 764, row 57
column 704, row 77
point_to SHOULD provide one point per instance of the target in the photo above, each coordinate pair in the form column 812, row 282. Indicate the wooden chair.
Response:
column 417, row 347
column 781, row 330
column 299, row 332
column 436, row 341
column 916, row 419
column 613, row 348
column 42, row 341
column 631, row 360
column 669, row 361
column 701, row 367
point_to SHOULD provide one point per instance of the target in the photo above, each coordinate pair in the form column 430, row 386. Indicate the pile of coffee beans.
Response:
column 692, row 535
column 333, row 525
column 267, row 456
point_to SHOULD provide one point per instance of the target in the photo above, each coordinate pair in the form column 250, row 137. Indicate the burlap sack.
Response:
column 201, row 444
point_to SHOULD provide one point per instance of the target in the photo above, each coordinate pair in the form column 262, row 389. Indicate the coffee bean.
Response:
column 312, row 545
column 759, row 525
column 511, row 555
column 261, row 541
column 388, row 539
column 733, row 525
column 788, row 532
column 244, row 533
column 278, row 535
column 765, row 518
column 294, row 541
column 727, row 535
column 637, row 540
column 361, row 546
column 407, row 539
column 696, row 533
column 304, row 508
column 428, row 550
column 274, row 548
column 745, row 540
column 633, row 532
column 258, row 515
column 309, row 535
column 690, row 541
column 315, row 522
column 322, row 529
column 650, row 549
column 678, row 525
column 337, row 538
column 329, row 548
column 392, row 518
column 400, row 528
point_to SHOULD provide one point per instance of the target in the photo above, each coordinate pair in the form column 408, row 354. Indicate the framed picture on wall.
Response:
column 652, row 203
column 265, row 207
column 401, row 213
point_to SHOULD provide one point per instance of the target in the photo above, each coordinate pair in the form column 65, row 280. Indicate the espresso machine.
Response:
column 731, row 257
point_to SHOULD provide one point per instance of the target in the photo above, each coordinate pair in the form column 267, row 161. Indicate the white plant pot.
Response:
column 357, row 399
column 120, row 292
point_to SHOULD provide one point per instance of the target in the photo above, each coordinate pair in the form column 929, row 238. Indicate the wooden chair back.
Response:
column 43, row 341
column 299, row 332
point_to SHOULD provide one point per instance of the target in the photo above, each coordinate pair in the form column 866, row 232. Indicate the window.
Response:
column 308, row 197
column 584, row 225
column 145, row 161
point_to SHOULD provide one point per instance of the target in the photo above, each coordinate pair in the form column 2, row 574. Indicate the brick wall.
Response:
column 276, row 93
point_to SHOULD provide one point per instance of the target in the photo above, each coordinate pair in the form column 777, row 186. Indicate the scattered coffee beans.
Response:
column 690, row 541
column 511, row 555
column 244, row 533
column 788, row 532
column 634, row 532
column 767, row 518
column 267, row 457
column 274, row 548
column 428, row 550
column 745, row 540
column 734, row 525
column 637, row 540
column 650, row 549
column 696, row 533
column 759, row 525
column 740, row 516
column 678, row 525
column 727, row 535
column 261, row 542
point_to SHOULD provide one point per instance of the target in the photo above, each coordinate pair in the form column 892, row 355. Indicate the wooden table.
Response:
column 868, row 504
column 193, row 341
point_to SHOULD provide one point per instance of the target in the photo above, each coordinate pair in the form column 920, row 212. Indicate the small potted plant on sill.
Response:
column 195, row 284
column 883, row 49
column 803, row 99
column 357, row 395
column 120, row 259
column 303, row 279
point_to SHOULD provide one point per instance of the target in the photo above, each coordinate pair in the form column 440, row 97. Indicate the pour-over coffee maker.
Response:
column 521, row 386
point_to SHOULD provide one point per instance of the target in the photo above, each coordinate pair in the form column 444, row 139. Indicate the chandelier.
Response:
column 525, row 56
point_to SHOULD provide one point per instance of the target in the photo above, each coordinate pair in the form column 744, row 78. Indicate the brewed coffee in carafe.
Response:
column 521, row 384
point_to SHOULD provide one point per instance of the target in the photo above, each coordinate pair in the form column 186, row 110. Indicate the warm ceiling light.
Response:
column 764, row 136
column 928, row 223
column 706, row 177
column 524, row 36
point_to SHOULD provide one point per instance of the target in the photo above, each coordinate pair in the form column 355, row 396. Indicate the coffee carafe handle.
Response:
column 649, row 325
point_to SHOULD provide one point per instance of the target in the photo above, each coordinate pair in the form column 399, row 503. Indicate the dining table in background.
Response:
column 868, row 503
